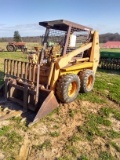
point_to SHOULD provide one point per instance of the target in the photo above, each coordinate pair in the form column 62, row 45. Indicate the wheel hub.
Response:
column 89, row 81
column 72, row 89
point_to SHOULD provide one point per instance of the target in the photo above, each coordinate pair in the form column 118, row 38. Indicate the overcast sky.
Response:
column 24, row 15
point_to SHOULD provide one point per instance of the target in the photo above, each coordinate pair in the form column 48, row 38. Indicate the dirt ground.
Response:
column 58, row 136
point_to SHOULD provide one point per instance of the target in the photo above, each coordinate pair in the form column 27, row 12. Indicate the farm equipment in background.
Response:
column 65, row 66
column 110, row 60
column 14, row 46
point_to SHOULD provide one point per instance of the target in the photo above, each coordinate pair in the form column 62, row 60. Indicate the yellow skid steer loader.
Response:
column 65, row 66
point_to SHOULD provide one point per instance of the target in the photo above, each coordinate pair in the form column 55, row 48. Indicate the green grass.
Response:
column 82, row 157
column 92, row 97
column 13, row 138
column 11, row 55
column 91, row 128
column 72, row 112
column 45, row 145
column 4, row 130
column 22, row 125
column 105, row 156
column 106, row 111
column 109, row 84
column 56, row 127
column 116, row 115
column 64, row 158
column 54, row 134
column 72, row 150
column 115, row 146
column 10, row 141
column 75, row 138
column 112, row 134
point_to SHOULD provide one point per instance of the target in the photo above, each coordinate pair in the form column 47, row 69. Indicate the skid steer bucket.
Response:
column 36, row 99
column 47, row 102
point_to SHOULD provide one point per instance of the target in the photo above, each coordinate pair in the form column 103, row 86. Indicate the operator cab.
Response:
column 62, row 36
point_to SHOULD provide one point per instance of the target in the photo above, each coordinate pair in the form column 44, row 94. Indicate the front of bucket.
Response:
column 26, row 97
column 48, row 104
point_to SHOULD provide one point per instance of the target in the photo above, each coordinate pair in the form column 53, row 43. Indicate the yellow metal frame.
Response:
column 78, row 66
column 64, row 65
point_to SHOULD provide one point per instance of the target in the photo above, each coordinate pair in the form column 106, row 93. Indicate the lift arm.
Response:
column 64, row 60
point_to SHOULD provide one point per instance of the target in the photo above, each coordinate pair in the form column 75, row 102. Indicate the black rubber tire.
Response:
column 87, row 79
column 67, row 88
column 10, row 48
